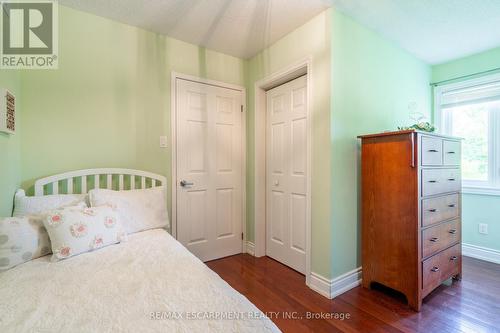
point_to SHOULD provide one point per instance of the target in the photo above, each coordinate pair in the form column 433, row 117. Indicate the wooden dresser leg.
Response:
column 366, row 283
column 458, row 277
column 414, row 303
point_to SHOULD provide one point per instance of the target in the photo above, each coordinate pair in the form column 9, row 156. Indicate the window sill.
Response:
column 478, row 190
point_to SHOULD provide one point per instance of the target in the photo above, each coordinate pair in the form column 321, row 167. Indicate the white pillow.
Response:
column 75, row 230
column 140, row 209
column 24, row 205
column 22, row 239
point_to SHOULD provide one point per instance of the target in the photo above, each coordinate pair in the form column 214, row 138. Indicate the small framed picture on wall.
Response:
column 7, row 112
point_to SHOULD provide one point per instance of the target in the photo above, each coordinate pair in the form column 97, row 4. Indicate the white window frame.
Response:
column 491, row 187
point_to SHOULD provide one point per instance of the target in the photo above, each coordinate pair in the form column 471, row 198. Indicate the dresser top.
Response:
column 391, row 133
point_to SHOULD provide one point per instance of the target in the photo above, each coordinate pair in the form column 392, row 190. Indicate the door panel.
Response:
column 197, row 159
column 277, row 214
column 224, row 199
column 286, row 175
column 209, row 207
column 196, row 218
column 298, row 230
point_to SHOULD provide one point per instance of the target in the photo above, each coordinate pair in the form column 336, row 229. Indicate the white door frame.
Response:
column 173, row 127
column 289, row 73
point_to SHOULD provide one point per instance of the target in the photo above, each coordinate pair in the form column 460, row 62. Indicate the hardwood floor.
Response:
column 470, row 305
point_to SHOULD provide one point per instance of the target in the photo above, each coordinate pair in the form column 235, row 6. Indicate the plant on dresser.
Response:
column 411, row 211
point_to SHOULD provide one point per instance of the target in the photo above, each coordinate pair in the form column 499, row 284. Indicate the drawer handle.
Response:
column 433, row 210
column 451, row 152
column 434, row 239
column 433, row 151
column 451, row 179
column 435, row 269
column 453, row 231
column 453, row 258
column 452, row 205
column 433, row 181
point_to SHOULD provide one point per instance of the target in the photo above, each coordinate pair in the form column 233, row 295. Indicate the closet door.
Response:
column 286, row 174
column 209, row 169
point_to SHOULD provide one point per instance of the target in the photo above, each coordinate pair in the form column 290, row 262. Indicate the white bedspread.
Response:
column 129, row 287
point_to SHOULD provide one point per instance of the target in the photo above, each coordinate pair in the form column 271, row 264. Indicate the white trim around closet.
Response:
column 289, row 73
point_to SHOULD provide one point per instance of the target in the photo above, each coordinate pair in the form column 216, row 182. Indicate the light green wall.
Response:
column 470, row 65
column 109, row 101
column 481, row 209
column 373, row 84
column 310, row 40
column 10, row 160
column 476, row 208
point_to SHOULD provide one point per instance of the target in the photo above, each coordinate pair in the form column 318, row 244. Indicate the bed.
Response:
column 151, row 283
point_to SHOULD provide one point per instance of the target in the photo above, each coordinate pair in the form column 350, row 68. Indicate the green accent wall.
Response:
column 10, row 146
column 476, row 208
column 109, row 101
column 375, row 86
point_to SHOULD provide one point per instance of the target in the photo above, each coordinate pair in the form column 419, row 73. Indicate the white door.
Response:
column 286, row 174
column 209, row 169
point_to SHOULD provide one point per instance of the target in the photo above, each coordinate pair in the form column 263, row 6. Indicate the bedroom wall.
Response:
column 376, row 86
column 10, row 162
column 311, row 39
column 109, row 101
column 476, row 208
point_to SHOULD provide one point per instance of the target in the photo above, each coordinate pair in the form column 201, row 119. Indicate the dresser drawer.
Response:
column 440, row 237
column 437, row 181
column 440, row 267
column 439, row 209
column 451, row 152
column 432, row 151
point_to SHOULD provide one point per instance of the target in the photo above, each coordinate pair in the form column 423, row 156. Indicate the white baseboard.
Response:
column 320, row 284
column 250, row 248
column 331, row 288
column 346, row 282
column 480, row 252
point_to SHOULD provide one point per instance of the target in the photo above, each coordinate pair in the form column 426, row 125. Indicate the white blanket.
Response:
column 149, row 284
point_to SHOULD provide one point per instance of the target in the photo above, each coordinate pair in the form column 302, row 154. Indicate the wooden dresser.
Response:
column 411, row 211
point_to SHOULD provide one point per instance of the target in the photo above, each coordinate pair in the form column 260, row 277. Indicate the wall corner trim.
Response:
column 482, row 253
column 250, row 248
column 331, row 288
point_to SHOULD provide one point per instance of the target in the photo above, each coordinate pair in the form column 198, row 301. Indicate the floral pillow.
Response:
column 22, row 239
column 75, row 230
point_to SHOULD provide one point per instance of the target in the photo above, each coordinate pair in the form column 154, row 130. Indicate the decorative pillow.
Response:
column 140, row 209
column 22, row 239
column 24, row 205
column 75, row 230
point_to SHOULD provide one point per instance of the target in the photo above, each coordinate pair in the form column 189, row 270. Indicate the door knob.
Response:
column 185, row 183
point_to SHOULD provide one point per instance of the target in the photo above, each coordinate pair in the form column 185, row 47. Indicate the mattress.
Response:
column 149, row 284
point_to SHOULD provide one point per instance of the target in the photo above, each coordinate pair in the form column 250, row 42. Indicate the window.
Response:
column 471, row 110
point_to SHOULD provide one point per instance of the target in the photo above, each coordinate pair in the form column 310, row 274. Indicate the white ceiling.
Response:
column 435, row 31
column 240, row 28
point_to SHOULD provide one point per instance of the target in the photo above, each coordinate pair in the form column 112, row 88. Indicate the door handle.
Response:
column 185, row 183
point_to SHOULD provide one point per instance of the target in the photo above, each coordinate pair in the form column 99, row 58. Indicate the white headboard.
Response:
column 135, row 179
